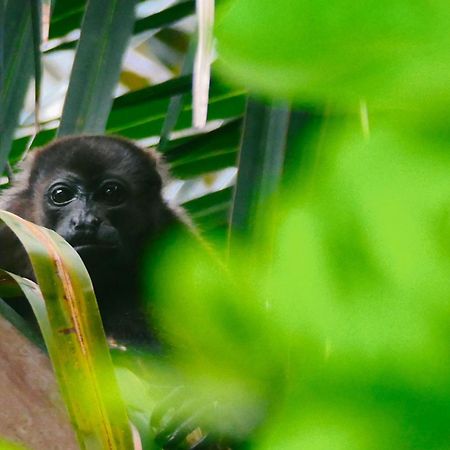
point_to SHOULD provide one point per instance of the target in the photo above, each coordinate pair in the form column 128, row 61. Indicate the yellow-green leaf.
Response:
column 67, row 312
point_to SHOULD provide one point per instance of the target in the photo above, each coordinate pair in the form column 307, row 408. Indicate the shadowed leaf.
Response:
column 106, row 28
column 17, row 57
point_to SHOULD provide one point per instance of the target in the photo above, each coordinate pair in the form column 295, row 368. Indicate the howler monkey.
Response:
column 103, row 195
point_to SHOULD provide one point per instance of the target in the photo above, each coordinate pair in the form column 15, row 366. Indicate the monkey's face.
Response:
column 88, row 215
column 100, row 194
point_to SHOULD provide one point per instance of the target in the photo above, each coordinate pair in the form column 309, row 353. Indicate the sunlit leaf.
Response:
column 202, row 63
column 8, row 445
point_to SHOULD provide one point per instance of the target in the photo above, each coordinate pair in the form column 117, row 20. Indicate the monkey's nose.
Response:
column 88, row 223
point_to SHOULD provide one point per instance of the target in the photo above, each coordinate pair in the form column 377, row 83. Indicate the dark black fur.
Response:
column 108, row 207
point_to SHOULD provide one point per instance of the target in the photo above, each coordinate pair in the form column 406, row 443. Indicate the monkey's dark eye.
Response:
column 61, row 195
column 112, row 192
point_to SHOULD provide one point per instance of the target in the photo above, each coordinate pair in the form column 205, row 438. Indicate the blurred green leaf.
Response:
column 340, row 339
column 360, row 284
column 68, row 317
column 392, row 53
column 8, row 445
column 106, row 28
column 219, row 327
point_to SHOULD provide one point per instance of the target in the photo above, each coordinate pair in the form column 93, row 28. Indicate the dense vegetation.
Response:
column 325, row 324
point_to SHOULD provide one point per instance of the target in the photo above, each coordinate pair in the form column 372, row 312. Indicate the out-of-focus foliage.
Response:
column 6, row 445
column 336, row 328
column 330, row 330
column 393, row 53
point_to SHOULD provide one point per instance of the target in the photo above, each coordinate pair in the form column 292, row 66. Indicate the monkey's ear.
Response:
column 16, row 198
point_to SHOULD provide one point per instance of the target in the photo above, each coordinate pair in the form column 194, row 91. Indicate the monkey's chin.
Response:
column 96, row 250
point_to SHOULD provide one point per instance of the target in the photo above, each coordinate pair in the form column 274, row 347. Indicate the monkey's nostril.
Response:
column 85, row 223
column 89, row 227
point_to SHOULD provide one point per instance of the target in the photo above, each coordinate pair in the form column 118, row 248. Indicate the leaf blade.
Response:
column 105, row 31
column 17, row 58
column 202, row 63
column 261, row 159
column 71, row 326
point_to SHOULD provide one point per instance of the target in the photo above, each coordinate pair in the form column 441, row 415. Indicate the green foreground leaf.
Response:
column 337, row 337
column 67, row 313
column 392, row 53
column 7, row 445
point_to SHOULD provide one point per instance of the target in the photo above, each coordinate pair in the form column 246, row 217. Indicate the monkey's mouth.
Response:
column 95, row 249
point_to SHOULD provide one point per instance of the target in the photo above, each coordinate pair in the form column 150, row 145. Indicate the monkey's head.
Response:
column 102, row 194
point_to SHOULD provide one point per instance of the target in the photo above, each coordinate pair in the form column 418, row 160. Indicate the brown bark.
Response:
column 31, row 410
